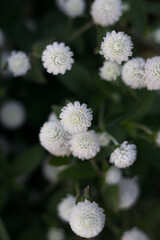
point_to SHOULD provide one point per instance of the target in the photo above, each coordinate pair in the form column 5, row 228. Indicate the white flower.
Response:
column 18, row 63
column 12, row 114
column 65, row 207
column 72, row 8
column 128, row 192
column 124, row 156
column 157, row 140
column 106, row 12
column 116, row 47
column 125, row 7
column 52, row 117
column 51, row 172
column 57, row 58
column 134, row 234
column 55, row 234
column 104, row 139
column 85, row 145
column 2, row 38
column 113, row 176
column 54, row 139
column 156, row 35
column 109, row 71
column 75, row 117
column 133, row 73
column 87, row 219
column 152, row 73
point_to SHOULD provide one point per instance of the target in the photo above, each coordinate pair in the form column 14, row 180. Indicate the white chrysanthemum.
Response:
column 152, row 73
column 55, row 234
column 75, row 117
column 106, row 12
column 133, row 73
column 65, row 207
column 52, row 117
column 116, row 47
column 85, row 145
column 128, row 192
column 134, row 234
column 104, row 139
column 51, row 172
column 109, row 71
column 2, row 37
column 54, row 139
column 156, row 35
column 57, row 58
column 87, row 219
column 12, row 114
column 113, row 176
column 124, row 156
column 72, row 8
column 18, row 63
column 157, row 140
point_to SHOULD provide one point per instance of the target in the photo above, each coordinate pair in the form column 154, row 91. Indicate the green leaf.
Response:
column 3, row 232
column 37, row 73
column 84, row 195
column 58, row 161
column 83, row 170
column 27, row 161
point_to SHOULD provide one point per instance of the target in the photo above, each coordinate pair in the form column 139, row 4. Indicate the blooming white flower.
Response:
column 157, row 140
column 133, row 73
column 104, row 139
column 75, row 117
column 124, row 156
column 109, row 71
column 156, row 35
column 116, row 47
column 152, row 73
column 51, row 172
column 113, row 176
column 12, row 114
column 128, row 192
column 54, row 139
column 57, row 58
column 65, row 207
column 106, row 12
column 85, row 145
column 2, row 37
column 134, row 234
column 18, row 63
column 52, row 117
column 87, row 219
column 72, row 8
column 55, row 233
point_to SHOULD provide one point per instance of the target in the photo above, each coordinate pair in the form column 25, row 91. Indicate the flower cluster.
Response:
column 134, row 234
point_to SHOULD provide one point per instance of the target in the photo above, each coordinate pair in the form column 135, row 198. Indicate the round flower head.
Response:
column 133, row 73
column 18, row 63
column 134, row 234
column 104, row 139
column 75, row 117
column 116, row 47
column 57, row 58
column 12, row 114
column 156, row 35
column 124, row 156
column 54, row 139
column 55, row 234
column 113, row 176
column 128, row 192
column 85, row 145
column 152, row 73
column 109, row 71
column 52, row 117
column 65, row 207
column 157, row 140
column 51, row 172
column 87, row 219
column 72, row 8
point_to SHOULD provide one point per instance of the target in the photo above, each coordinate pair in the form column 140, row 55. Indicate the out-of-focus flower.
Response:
column 113, row 176
column 51, row 172
column 156, row 35
column 109, row 71
column 157, row 140
column 55, row 233
column 134, row 234
column 104, row 139
column 65, row 207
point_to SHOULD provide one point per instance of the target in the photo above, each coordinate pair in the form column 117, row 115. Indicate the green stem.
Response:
column 143, row 128
column 95, row 166
column 113, row 139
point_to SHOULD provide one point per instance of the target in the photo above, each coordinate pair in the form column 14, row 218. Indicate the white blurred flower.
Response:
column 55, row 233
column 109, row 71
column 54, row 139
column 57, row 58
column 87, row 219
column 134, row 234
column 65, row 207
column 12, row 114
column 125, row 7
column 157, row 140
column 104, row 139
column 156, row 35
column 133, row 73
column 85, row 145
column 152, row 73
column 116, row 47
column 124, row 156
column 106, row 12
column 18, row 63
column 2, row 38
column 52, row 117
column 128, row 192
column 75, row 117
column 72, row 8
column 113, row 176
column 51, row 172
